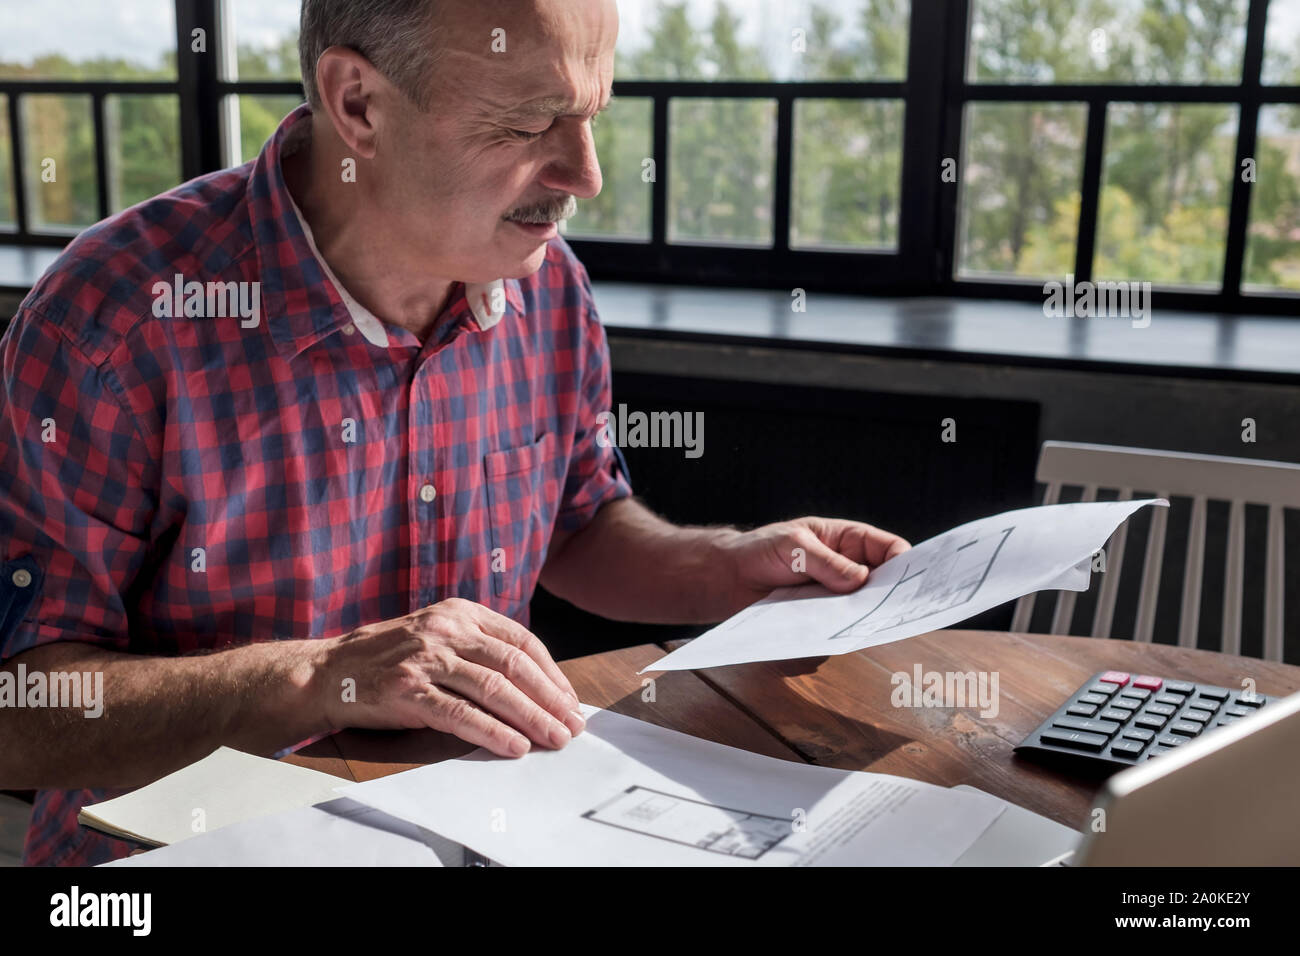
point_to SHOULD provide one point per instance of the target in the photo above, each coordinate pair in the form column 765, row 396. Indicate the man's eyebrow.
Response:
column 551, row 106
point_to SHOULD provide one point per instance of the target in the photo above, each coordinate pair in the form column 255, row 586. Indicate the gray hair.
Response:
column 396, row 36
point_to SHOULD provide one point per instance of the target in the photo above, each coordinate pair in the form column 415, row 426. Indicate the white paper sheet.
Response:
column 340, row 832
column 627, row 792
column 938, row 583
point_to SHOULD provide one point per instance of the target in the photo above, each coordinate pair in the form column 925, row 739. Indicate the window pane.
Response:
column 1165, row 190
column 756, row 40
column 1020, row 179
column 59, row 160
column 1282, row 43
column 144, row 150
column 7, row 213
column 89, row 39
column 265, row 36
column 1273, row 241
column 622, row 210
column 1120, row 41
column 847, row 168
column 721, row 154
column 257, row 118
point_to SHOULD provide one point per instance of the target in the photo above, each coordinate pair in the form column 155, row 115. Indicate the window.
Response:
column 144, row 154
column 260, row 39
column 847, row 197
column 1282, row 43
column 774, row 135
column 1165, row 193
column 92, row 113
column 259, row 42
column 720, row 167
column 1022, row 173
column 6, row 169
column 58, row 149
column 950, row 147
column 1116, row 139
column 1273, row 250
column 1107, row 41
column 793, row 40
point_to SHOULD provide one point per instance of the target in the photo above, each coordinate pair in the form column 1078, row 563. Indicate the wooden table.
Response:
column 836, row 711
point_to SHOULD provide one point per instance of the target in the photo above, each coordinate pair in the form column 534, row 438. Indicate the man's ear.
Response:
column 349, row 89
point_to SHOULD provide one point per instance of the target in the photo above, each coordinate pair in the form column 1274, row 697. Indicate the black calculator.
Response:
column 1117, row 719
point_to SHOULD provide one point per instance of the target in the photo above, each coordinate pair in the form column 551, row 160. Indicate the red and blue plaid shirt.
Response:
column 210, row 485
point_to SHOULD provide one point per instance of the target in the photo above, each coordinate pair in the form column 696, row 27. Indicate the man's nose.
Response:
column 574, row 168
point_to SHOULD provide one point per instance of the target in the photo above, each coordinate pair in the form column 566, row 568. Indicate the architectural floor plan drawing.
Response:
column 949, row 579
column 690, row 822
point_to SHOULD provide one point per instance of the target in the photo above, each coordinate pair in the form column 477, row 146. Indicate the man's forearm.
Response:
column 159, row 713
column 629, row 564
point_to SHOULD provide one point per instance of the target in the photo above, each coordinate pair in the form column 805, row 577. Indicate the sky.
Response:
column 143, row 29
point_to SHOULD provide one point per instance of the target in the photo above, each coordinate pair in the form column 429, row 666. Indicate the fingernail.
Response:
column 560, row 735
column 575, row 722
column 519, row 746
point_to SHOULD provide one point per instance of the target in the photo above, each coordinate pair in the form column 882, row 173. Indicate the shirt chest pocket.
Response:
column 522, row 496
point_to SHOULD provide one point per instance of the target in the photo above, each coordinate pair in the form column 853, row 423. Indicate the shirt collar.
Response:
column 302, row 301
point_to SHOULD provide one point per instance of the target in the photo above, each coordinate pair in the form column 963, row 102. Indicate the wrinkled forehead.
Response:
column 546, row 53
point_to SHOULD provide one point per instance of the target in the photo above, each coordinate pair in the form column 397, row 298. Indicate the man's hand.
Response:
column 455, row 666
column 833, row 552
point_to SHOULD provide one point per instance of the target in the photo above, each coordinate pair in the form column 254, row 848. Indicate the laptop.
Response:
column 1228, row 798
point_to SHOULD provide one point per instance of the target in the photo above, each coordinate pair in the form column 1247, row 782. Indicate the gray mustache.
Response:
column 550, row 211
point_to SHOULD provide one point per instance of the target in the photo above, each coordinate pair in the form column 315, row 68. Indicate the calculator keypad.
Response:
column 1118, row 719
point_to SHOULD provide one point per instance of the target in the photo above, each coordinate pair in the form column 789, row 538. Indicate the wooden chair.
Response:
column 1201, row 478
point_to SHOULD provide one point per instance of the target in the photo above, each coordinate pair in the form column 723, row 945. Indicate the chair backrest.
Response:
column 1202, row 478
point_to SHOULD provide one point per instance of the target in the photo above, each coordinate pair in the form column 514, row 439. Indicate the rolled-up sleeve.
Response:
column 597, row 472
column 75, row 501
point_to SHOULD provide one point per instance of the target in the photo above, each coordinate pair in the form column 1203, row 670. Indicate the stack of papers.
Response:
column 626, row 792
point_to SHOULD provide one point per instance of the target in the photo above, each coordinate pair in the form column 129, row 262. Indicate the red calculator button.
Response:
column 1114, row 677
column 1151, row 683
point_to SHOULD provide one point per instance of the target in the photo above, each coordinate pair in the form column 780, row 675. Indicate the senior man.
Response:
column 324, row 499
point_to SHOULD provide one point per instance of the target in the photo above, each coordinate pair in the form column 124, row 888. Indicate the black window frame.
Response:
column 934, row 95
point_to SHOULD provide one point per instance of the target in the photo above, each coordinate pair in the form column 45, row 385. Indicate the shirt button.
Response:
column 22, row 577
column 349, row 329
column 428, row 493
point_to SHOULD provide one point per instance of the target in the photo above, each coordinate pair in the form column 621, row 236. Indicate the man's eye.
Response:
column 524, row 134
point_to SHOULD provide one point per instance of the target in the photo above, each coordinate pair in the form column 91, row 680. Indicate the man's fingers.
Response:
column 527, row 675
column 454, row 714
column 897, row 547
column 862, row 542
column 831, row 569
column 873, row 546
column 495, row 692
column 512, row 632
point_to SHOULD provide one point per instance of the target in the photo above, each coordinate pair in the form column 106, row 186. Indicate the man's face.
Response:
column 507, row 137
